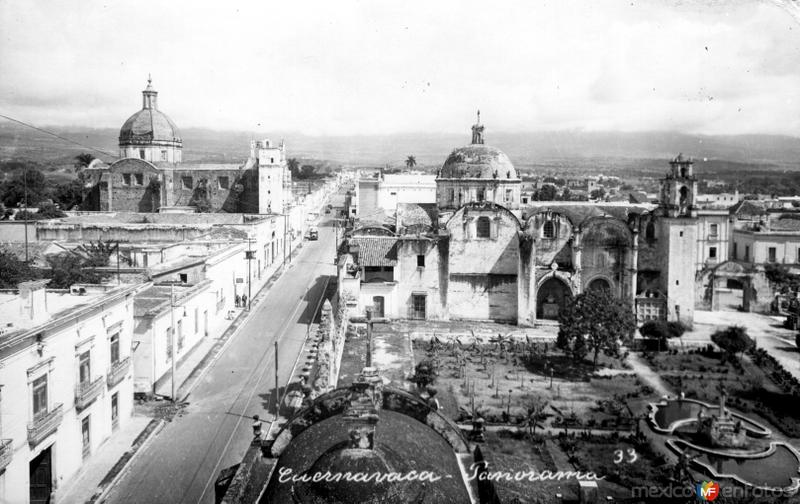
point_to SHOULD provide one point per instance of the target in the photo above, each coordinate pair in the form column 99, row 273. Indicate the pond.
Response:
column 775, row 468
column 674, row 412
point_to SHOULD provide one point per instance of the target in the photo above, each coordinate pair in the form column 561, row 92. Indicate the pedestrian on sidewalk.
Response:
column 238, row 301
column 244, row 300
column 257, row 426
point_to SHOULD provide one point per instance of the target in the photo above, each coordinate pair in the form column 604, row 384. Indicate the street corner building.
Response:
column 150, row 175
column 479, row 253
column 67, row 382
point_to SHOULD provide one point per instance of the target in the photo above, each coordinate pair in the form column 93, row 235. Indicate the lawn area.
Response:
column 501, row 383
column 512, row 451
column 749, row 389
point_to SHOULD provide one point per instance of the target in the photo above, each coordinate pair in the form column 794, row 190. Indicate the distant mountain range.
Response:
column 526, row 150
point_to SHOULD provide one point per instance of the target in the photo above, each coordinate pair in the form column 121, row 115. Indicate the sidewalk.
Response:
column 81, row 487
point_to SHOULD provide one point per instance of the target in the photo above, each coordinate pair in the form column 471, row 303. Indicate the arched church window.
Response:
column 483, row 227
column 549, row 230
column 650, row 232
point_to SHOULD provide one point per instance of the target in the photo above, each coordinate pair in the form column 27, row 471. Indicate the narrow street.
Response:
column 182, row 462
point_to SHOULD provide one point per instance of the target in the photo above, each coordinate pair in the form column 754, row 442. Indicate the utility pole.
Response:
column 285, row 227
column 25, row 202
column 172, row 333
column 249, row 257
column 277, row 401
column 369, row 336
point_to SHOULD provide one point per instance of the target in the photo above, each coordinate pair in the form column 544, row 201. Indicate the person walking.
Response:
column 244, row 300
column 257, row 426
column 238, row 300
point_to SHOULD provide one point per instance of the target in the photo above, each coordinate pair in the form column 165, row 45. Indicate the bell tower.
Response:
column 677, row 229
column 679, row 189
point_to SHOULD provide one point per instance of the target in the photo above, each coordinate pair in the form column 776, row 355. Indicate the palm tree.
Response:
column 83, row 160
column 411, row 162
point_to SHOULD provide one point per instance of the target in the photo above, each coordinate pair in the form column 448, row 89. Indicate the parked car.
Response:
column 312, row 234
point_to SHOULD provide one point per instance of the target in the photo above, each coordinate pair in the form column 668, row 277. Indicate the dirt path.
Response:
column 647, row 374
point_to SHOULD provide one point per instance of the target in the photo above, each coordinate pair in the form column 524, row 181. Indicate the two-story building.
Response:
column 65, row 373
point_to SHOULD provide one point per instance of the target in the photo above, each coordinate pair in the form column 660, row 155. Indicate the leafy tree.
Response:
column 69, row 194
column 598, row 194
column 425, row 373
column 663, row 330
column 48, row 211
column 781, row 278
column 294, row 166
column 100, row 253
column 68, row 269
column 13, row 191
column 733, row 339
column 566, row 195
column 307, row 171
column 411, row 162
column 547, row 192
column 13, row 271
column 594, row 321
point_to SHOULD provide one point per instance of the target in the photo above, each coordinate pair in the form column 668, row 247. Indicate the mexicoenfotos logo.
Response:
column 707, row 490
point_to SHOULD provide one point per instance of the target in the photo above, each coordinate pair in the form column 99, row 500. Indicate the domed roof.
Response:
column 477, row 161
column 149, row 125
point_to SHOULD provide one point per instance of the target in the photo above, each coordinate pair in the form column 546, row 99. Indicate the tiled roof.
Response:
column 749, row 207
column 376, row 250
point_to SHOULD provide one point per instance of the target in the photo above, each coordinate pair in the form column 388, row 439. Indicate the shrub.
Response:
column 425, row 373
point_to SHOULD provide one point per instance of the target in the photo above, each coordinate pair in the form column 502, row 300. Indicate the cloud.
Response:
column 364, row 67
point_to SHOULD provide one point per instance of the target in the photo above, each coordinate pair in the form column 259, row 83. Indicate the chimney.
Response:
column 33, row 299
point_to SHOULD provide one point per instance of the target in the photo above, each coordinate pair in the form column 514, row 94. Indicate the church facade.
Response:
column 150, row 176
column 478, row 253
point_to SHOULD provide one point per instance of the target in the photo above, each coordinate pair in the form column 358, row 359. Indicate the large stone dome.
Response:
column 477, row 161
column 149, row 125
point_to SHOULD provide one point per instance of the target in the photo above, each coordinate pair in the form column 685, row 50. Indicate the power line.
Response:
column 58, row 136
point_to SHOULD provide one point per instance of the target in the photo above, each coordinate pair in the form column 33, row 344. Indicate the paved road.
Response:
column 766, row 330
column 181, row 464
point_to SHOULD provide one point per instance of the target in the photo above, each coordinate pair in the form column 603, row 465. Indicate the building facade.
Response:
column 151, row 177
column 479, row 254
column 67, row 383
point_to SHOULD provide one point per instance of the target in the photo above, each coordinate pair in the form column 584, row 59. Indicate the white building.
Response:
column 405, row 188
column 65, row 373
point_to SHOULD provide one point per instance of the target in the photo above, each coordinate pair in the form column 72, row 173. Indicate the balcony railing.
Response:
column 117, row 371
column 87, row 392
column 45, row 424
column 6, row 451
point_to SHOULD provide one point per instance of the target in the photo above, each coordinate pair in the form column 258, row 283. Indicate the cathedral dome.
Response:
column 477, row 161
column 149, row 125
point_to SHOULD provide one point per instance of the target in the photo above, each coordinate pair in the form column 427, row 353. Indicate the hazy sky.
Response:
column 364, row 67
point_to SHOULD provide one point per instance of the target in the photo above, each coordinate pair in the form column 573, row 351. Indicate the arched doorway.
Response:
column 551, row 297
column 599, row 284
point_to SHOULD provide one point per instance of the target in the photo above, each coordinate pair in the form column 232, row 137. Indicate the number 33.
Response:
column 619, row 456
